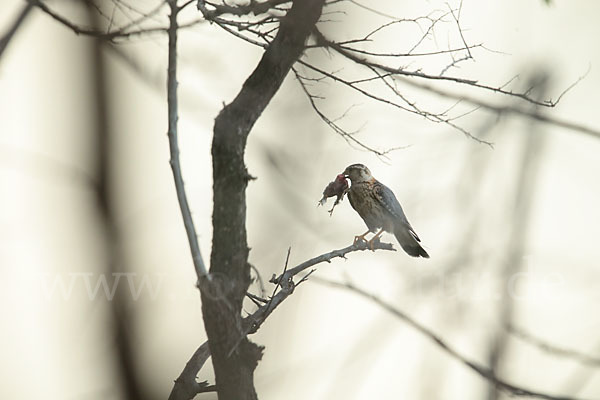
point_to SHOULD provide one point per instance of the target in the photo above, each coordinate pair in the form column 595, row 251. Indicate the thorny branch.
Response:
column 254, row 7
column 257, row 24
column 394, row 71
column 348, row 136
column 172, row 133
column 186, row 383
column 390, row 76
column 287, row 285
column 186, row 386
column 481, row 370
column 409, row 106
column 505, row 109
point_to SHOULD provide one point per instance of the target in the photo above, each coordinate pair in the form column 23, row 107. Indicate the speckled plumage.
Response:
column 378, row 207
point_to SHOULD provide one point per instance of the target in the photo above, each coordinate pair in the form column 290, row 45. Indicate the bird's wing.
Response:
column 387, row 198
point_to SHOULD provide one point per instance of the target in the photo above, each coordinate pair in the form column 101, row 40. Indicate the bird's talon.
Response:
column 359, row 239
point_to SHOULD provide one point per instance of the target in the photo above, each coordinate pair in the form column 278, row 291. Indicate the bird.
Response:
column 380, row 210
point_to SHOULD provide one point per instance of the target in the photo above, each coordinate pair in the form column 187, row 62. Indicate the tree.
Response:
column 289, row 31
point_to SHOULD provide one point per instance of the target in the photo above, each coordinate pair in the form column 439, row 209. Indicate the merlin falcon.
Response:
column 378, row 207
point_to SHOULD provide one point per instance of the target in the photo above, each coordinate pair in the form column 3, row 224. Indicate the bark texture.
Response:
column 234, row 357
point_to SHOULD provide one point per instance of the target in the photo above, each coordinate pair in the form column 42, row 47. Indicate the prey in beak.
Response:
column 337, row 188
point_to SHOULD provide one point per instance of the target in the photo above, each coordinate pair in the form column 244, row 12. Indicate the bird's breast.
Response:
column 363, row 200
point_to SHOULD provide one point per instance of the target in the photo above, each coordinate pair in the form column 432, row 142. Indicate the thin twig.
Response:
column 552, row 348
column 120, row 33
column 327, row 257
column 186, row 214
column 403, row 75
column 411, row 106
column 347, row 136
column 14, row 27
column 400, row 72
column 413, row 54
column 254, row 7
column 460, row 30
column 503, row 109
column 254, row 321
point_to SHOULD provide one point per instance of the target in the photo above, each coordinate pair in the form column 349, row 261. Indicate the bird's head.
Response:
column 358, row 173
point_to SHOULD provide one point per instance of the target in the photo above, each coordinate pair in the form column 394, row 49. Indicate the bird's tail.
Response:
column 409, row 241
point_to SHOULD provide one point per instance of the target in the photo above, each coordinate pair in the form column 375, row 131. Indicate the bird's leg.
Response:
column 361, row 237
column 375, row 238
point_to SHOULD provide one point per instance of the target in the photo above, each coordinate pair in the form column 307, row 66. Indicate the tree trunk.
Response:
column 234, row 357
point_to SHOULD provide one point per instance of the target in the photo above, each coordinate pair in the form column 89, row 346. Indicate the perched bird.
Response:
column 379, row 208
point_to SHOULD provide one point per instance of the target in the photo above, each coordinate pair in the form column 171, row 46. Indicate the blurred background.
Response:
column 98, row 293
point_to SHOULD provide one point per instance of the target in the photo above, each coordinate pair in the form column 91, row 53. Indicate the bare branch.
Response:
column 186, row 386
column 434, row 117
column 374, row 11
column 481, row 370
column 410, row 107
column 254, row 321
column 143, row 17
column 348, row 136
column 14, row 27
column 187, row 3
column 413, row 54
column 571, row 86
column 503, row 109
column 252, row 26
column 402, row 75
column 259, row 279
column 553, row 349
column 253, row 7
column 460, row 31
column 327, row 257
column 186, row 214
column 419, row 74
column 223, row 24
column 120, row 33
